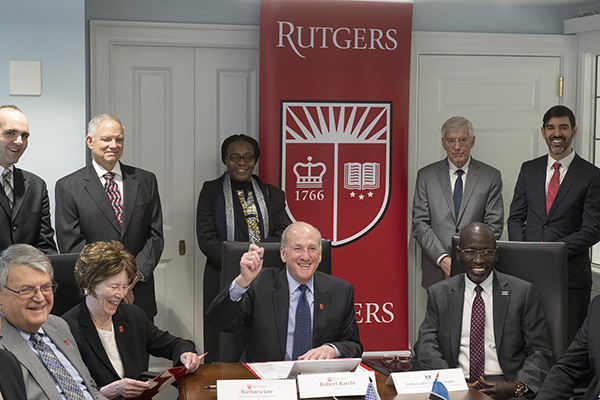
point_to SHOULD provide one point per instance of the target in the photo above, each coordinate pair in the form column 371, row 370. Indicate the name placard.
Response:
column 243, row 389
column 334, row 384
column 422, row 381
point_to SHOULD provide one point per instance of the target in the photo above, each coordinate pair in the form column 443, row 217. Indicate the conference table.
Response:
column 193, row 386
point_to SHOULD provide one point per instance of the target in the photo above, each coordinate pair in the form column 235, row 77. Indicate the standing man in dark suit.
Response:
column 292, row 313
column 441, row 206
column 488, row 323
column 579, row 362
column 556, row 199
column 49, row 359
column 108, row 200
column 24, row 204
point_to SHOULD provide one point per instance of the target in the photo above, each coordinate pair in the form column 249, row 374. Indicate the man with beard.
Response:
column 556, row 199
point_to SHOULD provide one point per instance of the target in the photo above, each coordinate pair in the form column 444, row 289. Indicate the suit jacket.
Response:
column 84, row 215
column 434, row 221
column 38, row 382
column 580, row 359
column 574, row 217
column 136, row 337
column 29, row 220
column 12, row 386
column 521, row 335
column 263, row 310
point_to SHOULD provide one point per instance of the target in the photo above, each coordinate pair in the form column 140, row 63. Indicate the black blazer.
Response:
column 29, row 220
column 84, row 215
column 11, row 384
column 263, row 310
column 580, row 359
column 574, row 217
column 136, row 337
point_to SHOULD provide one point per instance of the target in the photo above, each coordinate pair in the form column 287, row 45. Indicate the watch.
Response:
column 520, row 389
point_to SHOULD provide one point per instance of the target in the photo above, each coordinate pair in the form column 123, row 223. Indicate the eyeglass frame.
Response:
column 53, row 287
column 476, row 253
column 462, row 141
column 248, row 157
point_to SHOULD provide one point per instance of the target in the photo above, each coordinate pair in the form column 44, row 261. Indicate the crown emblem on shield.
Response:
column 309, row 175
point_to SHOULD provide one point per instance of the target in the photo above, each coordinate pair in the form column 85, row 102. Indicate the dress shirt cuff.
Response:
column 236, row 291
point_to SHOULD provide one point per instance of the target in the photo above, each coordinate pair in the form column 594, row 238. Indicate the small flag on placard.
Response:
column 371, row 392
column 438, row 390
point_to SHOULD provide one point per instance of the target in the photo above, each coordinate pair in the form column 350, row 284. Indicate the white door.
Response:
column 178, row 104
column 504, row 97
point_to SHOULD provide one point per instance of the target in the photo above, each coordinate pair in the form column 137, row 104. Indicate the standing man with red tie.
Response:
column 557, row 199
column 108, row 200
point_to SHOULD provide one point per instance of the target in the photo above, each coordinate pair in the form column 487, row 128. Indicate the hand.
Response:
column 129, row 297
column 446, row 265
column 125, row 387
column 191, row 361
column 250, row 265
column 324, row 352
column 498, row 390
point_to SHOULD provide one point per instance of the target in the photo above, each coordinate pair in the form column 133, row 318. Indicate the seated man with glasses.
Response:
column 50, row 361
column 488, row 323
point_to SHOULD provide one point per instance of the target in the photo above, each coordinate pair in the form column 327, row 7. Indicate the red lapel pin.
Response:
column 121, row 328
column 321, row 306
column 67, row 342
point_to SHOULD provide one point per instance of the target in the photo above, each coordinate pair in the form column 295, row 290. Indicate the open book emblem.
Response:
column 335, row 162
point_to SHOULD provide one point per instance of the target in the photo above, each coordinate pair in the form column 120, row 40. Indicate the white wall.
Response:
column 51, row 32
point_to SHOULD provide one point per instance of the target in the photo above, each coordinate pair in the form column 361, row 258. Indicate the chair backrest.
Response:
column 67, row 294
column 544, row 264
column 232, row 345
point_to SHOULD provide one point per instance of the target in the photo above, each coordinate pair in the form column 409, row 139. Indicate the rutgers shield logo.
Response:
column 335, row 162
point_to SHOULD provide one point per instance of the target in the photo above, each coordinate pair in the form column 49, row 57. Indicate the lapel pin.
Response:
column 121, row 328
column 66, row 342
column 321, row 306
column 505, row 293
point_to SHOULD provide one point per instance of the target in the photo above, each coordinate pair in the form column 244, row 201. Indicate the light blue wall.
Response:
column 51, row 32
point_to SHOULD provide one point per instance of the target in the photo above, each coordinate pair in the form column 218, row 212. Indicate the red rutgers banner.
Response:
column 334, row 87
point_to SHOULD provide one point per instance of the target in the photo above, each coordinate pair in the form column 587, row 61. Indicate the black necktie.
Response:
column 458, row 192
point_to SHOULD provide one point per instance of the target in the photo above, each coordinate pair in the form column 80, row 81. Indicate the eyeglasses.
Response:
column 472, row 253
column 30, row 292
column 462, row 141
column 237, row 157
column 398, row 362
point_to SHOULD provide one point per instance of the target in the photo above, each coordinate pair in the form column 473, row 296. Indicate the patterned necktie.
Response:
column 114, row 196
column 7, row 185
column 458, row 191
column 302, row 330
column 477, row 339
column 59, row 372
column 251, row 214
column 553, row 187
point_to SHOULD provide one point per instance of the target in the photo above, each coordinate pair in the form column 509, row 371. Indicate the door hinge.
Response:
column 561, row 83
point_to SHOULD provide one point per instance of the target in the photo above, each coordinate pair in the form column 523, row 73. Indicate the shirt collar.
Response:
column 454, row 168
column 487, row 284
column 293, row 285
column 100, row 170
column 565, row 162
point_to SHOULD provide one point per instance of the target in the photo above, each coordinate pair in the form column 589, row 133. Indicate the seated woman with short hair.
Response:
column 115, row 338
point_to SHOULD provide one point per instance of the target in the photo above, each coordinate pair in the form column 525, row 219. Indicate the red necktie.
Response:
column 114, row 196
column 553, row 187
column 477, row 339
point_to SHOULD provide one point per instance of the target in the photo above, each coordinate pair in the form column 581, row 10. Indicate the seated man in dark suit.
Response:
column 50, row 362
column 578, row 362
column 12, row 386
column 296, row 313
column 488, row 323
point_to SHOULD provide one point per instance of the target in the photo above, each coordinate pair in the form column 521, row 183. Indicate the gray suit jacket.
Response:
column 38, row 382
column 84, row 215
column 521, row 335
column 434, row 221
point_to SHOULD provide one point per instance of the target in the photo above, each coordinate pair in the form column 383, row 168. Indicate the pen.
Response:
column 210, row 387
column 254, row 242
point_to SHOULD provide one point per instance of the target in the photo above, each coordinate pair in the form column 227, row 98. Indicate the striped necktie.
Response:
column 112, row 190
column 7, row 185
column 553, row 187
